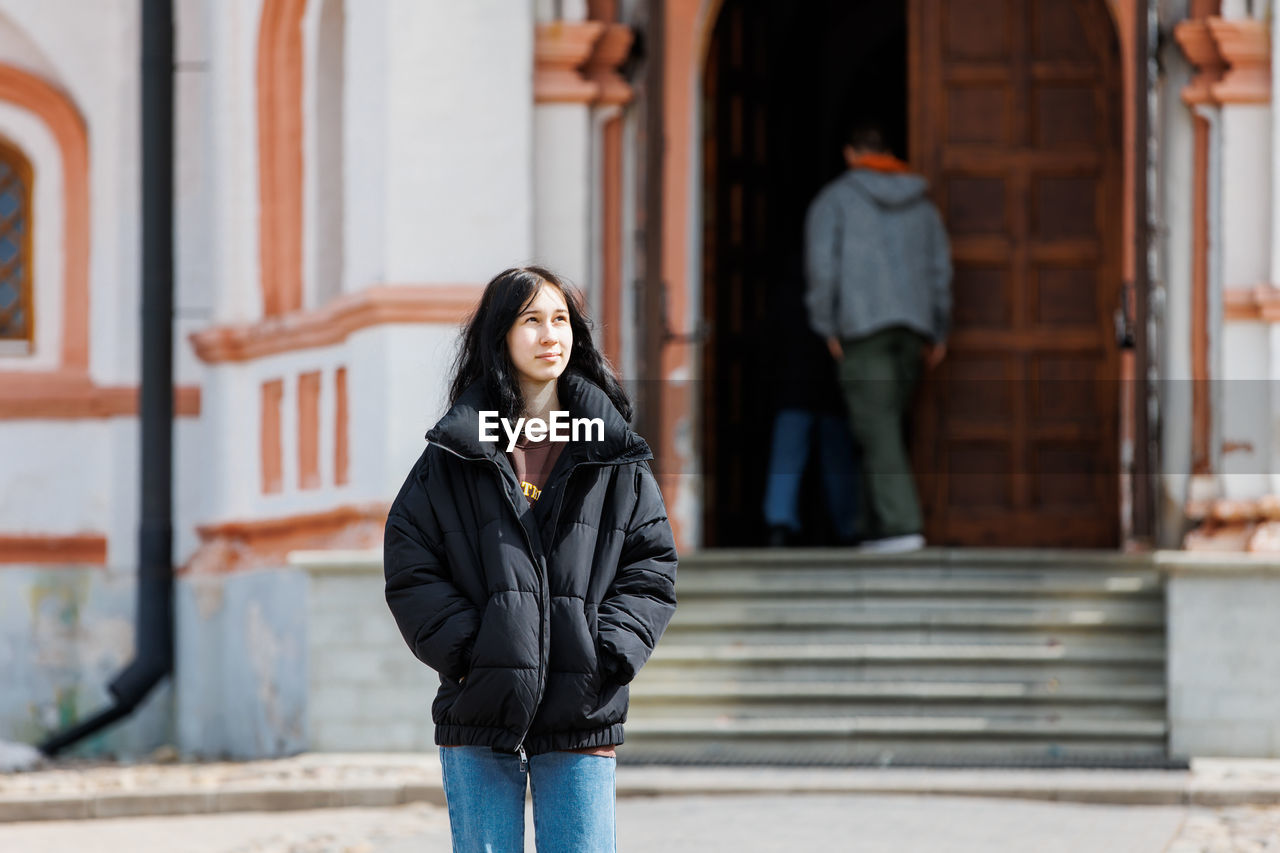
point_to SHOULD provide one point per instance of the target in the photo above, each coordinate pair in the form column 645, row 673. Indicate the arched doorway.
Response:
column 1013, row 112
column 779, row 83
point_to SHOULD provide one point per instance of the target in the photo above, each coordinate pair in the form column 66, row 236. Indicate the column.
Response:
column 562, row 148
column 439, row 107
column 1248, row 342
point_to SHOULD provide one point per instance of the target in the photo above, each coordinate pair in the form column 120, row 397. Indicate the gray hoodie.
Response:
column 876, row 256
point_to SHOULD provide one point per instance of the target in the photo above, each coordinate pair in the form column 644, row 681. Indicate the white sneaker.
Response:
column 893, row 544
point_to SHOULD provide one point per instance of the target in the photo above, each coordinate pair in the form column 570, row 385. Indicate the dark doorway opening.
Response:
column 782, row 83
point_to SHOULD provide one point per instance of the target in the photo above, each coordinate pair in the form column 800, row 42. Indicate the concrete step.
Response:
column 854, row 654
column 766, row 711
column 933, row 726
column 828, row 656
column 1018, row 558
column 887, row 751
column 835, row 580
column 933, row 612
column 1082, row 677
column 918, row 635
column 786, row 692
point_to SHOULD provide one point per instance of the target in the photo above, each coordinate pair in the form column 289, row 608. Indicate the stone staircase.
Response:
column 941, row 657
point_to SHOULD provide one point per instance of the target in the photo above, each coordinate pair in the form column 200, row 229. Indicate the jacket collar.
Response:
column 459, row 430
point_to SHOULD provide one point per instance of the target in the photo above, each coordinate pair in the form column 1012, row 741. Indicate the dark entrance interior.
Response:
column 1012, row 113
column 782, row 82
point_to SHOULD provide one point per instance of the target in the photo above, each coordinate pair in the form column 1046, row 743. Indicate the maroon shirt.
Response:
column 533, row 462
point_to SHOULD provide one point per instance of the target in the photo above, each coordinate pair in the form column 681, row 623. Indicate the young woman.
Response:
column 535, row 582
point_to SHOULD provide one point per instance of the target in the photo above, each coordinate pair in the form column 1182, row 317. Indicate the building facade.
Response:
column 350, row 174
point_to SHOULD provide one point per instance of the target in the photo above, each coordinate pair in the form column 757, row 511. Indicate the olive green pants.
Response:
column 879, row 374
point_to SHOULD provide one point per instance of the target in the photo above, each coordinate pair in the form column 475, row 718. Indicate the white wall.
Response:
column 458, row 144
column 46, row 489
column 402, row 394
column 364, row 139
column 1247, row 413
column 17, row 48
column 438, row 140
column 1246, row 194
column 1244, row 407
column 199, row 253
column 562, row 185
column 229, row 196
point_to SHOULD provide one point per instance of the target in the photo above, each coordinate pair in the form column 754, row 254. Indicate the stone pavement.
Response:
column 394, row 805
column 321, row 780
column 753, row 823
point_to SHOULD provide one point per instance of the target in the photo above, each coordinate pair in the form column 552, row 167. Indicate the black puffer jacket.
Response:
column 546, row 613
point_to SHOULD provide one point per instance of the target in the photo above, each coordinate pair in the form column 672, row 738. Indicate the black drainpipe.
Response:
column 153, row 655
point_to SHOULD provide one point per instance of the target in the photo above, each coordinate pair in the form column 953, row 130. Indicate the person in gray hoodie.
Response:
column 878, row 290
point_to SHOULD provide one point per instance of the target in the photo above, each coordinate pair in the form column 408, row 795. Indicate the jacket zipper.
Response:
column 540, row 562
column 555, row 526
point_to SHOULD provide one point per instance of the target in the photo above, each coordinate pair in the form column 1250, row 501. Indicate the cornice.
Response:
column 610, row 51
column 71, row 395
column 76, row 550
column 576, row 62
column 251, row 543
column 559, row 49
column 332, row 324
column 1250, row 525
column 1245, row 44
column 1259, row 303
column 1198, row 45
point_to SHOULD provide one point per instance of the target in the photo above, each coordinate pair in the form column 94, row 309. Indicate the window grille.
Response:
column 17, row 328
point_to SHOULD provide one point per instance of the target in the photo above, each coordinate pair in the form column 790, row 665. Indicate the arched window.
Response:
column 16, row 304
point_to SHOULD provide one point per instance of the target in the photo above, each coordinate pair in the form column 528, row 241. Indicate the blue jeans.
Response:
column 793, row 433
column 573, row 801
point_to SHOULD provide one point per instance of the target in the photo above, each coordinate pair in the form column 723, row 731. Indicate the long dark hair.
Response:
column 483, row 354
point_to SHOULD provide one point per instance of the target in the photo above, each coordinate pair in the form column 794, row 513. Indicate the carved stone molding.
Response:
column 69, row 395
column 1245, row 44
column 559, row 49
column 1198, row 45
column 1260, row 303
column 256, row 543
column 610, row 51
column 1250, row 525
column 336, row 321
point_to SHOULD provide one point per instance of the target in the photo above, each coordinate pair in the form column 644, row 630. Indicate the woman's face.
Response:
column 540, row 340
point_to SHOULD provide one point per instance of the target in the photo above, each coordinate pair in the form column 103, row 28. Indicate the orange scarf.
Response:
column 881, row 163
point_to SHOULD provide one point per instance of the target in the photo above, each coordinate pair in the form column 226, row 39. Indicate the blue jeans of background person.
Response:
column 573, row 801
column 794, row 431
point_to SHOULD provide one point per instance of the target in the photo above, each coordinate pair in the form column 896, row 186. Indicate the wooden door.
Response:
column 1016, row 121
column 736, row 246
